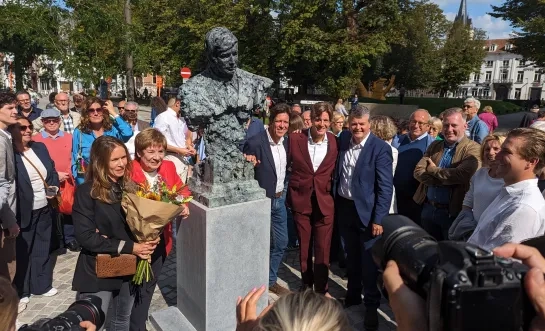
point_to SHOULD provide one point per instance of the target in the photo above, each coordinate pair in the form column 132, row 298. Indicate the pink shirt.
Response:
column 490, row 120
column 59, row 148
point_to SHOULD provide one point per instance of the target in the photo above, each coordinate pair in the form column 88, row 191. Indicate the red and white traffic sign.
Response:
column 185, row 72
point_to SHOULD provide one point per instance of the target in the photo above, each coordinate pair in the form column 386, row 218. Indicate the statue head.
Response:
column 222, row 52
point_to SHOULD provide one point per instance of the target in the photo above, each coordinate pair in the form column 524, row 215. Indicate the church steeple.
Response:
column 462, row 13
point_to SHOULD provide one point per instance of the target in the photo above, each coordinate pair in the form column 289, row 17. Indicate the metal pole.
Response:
column 129, row 59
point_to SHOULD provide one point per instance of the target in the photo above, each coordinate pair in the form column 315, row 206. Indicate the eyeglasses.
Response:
column 62, row 101
column 50, row 120
column 130, row 110
column 339, row 122
column 25, row 127
column 466, row 106
column 413, row 122
column 95, row 110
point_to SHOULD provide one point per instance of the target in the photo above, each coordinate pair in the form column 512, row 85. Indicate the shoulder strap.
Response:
column 38, row 171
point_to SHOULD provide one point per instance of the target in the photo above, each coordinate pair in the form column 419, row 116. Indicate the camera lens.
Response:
column 87, row 309
column 413, row 249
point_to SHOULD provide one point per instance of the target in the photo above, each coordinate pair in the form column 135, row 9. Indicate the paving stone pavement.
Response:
column 165, row 294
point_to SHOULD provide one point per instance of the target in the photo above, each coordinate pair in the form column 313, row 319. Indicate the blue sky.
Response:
column 477, row 10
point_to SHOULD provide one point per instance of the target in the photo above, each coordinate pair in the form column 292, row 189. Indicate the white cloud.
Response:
column 494, row 27
column 450, row 16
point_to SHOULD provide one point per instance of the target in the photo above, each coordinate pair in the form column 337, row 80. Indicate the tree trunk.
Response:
column 18, row 71
column 129, row 60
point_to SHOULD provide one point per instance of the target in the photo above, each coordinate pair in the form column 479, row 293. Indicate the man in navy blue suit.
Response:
column 364, row 187
column 267, row 150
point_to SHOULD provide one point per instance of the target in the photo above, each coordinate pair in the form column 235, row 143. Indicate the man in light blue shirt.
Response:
column 476, row 129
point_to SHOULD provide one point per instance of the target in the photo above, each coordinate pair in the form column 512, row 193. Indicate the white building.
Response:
column 504, row 75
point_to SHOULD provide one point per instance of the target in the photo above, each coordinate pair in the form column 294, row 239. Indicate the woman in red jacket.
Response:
column 148, row 166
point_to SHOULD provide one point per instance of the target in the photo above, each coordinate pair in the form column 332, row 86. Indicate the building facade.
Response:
column 504, row 75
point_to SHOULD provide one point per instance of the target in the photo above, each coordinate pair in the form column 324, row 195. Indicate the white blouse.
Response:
column 38, row 187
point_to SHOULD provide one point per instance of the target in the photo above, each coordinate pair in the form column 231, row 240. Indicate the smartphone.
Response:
column 51, row 191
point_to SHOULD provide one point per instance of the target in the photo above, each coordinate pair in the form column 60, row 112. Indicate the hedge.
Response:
column 437, row 105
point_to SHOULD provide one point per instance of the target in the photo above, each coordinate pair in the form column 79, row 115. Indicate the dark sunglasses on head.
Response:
column 51, row 120
column 25, row 127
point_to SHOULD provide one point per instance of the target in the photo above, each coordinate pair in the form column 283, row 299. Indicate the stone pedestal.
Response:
column 222, row 253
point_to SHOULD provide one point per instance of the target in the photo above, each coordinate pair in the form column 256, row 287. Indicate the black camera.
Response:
column 87, row 309
column 465, row 287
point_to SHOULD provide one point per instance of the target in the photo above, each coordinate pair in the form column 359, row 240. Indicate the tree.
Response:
column 415, row 55
column 29, row 29
column 462, row 54
column 329, row 43
column 528, row 18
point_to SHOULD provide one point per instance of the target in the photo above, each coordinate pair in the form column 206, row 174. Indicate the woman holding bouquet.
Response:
column 100, row 228
column 98, row 119
column 148, row 169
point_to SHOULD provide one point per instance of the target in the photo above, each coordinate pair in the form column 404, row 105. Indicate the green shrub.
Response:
column 436, row 105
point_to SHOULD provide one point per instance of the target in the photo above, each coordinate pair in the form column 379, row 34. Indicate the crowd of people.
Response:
column 332, row 175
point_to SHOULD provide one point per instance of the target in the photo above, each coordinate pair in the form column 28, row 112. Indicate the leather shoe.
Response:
column 279, row 290
column 73, row 246
column 371, row 319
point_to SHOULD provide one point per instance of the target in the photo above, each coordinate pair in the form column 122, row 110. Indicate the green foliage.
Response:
column 528, row 18
column 29, row 29
column 437, row 105
column 415, row 57
column 462, row 54
column 329, row 43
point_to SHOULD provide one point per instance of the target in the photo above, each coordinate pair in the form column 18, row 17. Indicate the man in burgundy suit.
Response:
column 312, row 155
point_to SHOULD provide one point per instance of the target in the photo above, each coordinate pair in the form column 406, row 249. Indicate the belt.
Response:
column 437, row 205
column 278, row 195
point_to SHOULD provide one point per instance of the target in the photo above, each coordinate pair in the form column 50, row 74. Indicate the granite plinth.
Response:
column 222, row 253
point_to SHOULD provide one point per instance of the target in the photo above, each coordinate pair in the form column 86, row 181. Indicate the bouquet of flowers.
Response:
column 149, row 209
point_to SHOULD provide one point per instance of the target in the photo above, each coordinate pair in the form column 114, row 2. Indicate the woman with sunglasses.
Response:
column 35, row 177
column 98, row 119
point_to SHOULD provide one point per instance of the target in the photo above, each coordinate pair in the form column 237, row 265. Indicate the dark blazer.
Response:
column 142, row 125
column 25, row 193
column 304, row 181
column 372, row 181
column 265, row 171
column 90, row 215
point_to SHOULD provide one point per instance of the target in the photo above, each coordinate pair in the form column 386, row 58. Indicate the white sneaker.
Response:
column 22, row 307
column 24, row 300
column 50, row 293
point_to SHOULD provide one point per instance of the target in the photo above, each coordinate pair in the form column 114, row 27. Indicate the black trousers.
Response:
column 358, row 240
column 34, row 274
column 407, row 207
column 144, row 293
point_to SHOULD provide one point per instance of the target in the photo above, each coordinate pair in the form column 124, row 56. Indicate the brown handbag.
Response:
column 108, row 266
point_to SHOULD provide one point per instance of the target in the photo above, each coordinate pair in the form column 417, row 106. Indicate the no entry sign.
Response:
column 185, row 72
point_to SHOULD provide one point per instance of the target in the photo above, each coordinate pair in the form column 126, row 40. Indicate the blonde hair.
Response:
column 436, row 123
column 487, row 109
column 146, row 138
column 304, row 311
column 491, row 137
column 336, row 116
column 383, row 127
column 9, row 301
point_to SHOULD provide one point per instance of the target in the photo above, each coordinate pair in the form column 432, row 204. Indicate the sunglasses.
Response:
column 95, row 110
column 130, row 110
column 25, row 127
column 50, row 120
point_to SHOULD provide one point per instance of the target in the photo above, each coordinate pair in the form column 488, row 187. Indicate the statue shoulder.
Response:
column 248, row 76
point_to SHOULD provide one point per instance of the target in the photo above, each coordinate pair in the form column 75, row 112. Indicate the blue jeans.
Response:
column 436, row 221
column 279, row 236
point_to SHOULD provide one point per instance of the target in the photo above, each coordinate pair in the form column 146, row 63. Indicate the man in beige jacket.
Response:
column 444, row 173
column 69, row 119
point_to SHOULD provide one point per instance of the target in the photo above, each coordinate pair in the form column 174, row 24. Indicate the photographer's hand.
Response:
column 408, row 307
column 534, row 281
column 88, row 326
